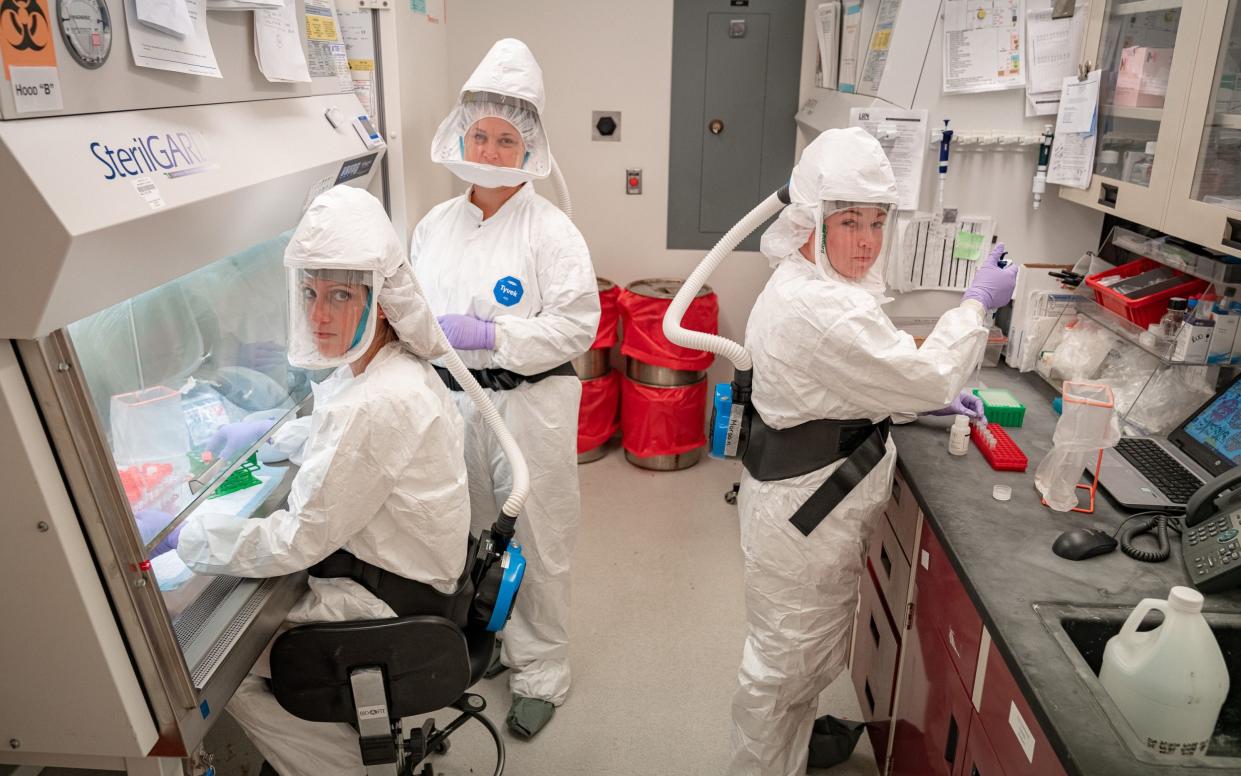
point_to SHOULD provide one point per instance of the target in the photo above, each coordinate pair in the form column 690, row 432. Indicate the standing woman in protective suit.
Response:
column 823, row 349
column 511, row 280
column 381, row 476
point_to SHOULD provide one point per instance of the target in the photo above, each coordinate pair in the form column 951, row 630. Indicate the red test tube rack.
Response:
column 1004, row 455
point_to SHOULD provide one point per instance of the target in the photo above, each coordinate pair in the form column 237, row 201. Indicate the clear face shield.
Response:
column 492, row 140
column 332, row 315
column 852, row 240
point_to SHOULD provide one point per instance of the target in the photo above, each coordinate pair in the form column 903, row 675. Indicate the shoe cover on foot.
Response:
column 832, row 740
column 527, row 716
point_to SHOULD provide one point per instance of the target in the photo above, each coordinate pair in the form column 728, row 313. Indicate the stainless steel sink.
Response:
column 1083, row 632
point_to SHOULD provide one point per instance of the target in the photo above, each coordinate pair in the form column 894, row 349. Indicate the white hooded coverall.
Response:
column 381, row 476
column 822, row 348
column 462, row 261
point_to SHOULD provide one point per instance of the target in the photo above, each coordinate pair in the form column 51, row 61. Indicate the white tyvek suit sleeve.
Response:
column 566, row 326
column 353, row 458
column 887, row 372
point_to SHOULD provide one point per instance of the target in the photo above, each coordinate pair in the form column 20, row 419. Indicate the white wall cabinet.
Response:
column 1193, row 190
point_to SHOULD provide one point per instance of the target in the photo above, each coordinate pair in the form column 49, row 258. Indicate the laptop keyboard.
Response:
column 1165, row 472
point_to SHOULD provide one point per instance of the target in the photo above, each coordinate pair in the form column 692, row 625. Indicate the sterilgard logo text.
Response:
column 172, row 153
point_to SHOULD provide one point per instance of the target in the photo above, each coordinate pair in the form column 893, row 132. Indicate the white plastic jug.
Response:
column 1169, row 682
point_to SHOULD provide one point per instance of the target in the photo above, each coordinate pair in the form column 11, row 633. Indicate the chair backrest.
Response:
column 426, row 661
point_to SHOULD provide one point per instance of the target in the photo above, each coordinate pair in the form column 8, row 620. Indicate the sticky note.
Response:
column 968, row 246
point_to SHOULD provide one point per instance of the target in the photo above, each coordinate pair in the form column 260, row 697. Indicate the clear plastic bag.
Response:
column 1088, row 424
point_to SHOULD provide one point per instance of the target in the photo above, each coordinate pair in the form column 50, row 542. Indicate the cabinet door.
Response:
column 891, row 569
column 1205, row 205
column 876, row 652
column 955, row 618
column 980, row 756
column 933, row 719
column 903, row 513
column 1146, row 50
column 1010, row 725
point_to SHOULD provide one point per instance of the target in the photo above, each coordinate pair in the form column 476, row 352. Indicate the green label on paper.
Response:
column 418, row 6
column 968, row 246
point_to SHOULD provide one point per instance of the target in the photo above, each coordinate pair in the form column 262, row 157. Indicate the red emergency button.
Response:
column 633, row 181
column 145, row 565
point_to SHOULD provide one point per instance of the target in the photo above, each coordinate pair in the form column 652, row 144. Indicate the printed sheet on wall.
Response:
column 939, row 252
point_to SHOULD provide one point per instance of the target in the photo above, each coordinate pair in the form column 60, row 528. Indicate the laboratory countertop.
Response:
column 1002, row 552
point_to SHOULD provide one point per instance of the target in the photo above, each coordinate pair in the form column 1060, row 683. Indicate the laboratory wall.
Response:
column 426, row 91
column 608, row 56
column 980, row 182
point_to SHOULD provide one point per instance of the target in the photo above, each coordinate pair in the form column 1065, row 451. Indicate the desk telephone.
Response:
column 1211, row 535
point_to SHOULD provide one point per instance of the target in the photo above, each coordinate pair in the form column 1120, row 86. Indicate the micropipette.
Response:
column 944, row 143
column 1044, row 157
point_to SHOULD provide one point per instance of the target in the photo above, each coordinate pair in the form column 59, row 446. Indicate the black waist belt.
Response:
column 504, row 379
column 779, row 454
column 404, row 596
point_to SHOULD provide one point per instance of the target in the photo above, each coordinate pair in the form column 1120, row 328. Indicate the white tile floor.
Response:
column 658, row 625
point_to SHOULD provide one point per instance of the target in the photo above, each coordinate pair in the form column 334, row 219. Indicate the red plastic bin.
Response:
column 1148, row 309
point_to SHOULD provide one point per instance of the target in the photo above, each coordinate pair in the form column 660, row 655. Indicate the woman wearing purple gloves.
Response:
column 825, row 353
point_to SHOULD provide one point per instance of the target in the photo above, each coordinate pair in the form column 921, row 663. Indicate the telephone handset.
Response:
column 1211, row 539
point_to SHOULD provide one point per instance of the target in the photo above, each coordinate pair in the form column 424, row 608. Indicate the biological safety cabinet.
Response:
column 142, row 306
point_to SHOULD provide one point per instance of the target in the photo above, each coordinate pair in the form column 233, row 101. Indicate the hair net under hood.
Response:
column 346, row 228
column 842, row 165
column 508, row 84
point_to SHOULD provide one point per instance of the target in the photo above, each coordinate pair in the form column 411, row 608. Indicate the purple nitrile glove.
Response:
column 150, row 523
column 465, row 332
column 993, row 285
column 966, row 404
column 232, row 438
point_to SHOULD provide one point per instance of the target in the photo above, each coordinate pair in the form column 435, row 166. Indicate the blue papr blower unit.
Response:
column 513, row 563
column 730, row 416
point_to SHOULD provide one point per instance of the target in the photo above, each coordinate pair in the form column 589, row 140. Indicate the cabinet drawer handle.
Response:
column 886, row 561
column 1232, row 230
column 874, row 630
column 870, row 698
column 950, row 751
column 1107, row 195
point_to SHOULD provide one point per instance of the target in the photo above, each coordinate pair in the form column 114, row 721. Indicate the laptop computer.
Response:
column 1156, row 473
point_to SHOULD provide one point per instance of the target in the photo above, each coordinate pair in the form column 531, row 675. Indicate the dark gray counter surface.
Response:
column 1002, row 552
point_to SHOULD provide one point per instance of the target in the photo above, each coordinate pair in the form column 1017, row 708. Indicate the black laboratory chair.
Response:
column 373, row 673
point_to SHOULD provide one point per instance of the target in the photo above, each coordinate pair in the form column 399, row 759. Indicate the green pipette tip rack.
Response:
column 1002, row 407
column 240, row 479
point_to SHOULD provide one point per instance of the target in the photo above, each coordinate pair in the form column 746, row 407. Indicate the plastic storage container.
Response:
column 1147, row 309
column 1169, row 682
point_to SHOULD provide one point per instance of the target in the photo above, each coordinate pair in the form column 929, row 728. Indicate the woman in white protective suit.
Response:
column 823, row 349
column 511, row 280
column 382, row 474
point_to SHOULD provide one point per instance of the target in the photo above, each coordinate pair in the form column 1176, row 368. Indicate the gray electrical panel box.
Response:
column 735, row 73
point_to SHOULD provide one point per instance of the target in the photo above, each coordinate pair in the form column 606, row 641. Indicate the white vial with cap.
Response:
column 959, row 436
column 1169, row 682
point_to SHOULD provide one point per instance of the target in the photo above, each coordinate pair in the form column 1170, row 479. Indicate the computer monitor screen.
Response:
column 1217, row 426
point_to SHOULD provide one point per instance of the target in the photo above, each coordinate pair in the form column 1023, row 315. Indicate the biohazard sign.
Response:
column 26, row 35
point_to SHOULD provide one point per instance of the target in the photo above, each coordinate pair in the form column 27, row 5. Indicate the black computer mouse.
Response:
column 1082, row 543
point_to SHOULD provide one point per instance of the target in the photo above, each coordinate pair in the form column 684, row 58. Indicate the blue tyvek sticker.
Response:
column 204, row 709
column 509, row 291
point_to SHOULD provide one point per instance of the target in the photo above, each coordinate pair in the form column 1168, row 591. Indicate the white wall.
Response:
column 606, row 55
column 425, row 93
